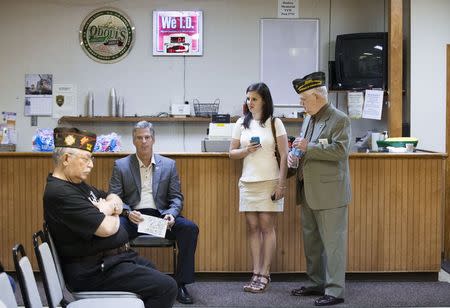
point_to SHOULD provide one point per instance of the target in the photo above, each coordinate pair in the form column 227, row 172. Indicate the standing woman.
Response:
column 262, row 184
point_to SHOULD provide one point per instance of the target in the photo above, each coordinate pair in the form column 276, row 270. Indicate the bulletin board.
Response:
column 289, row 50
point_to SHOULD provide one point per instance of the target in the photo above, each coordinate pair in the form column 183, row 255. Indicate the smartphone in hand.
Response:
column 254, row 140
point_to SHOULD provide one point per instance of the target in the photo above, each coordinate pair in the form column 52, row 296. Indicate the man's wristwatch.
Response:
column 125, row 213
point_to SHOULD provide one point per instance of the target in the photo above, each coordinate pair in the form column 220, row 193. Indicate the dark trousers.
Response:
column 185, row 232
column 124, row 272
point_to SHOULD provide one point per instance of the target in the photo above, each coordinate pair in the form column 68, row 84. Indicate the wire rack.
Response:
column 206, row 109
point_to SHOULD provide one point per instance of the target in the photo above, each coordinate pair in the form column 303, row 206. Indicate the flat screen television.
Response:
column 361, row 61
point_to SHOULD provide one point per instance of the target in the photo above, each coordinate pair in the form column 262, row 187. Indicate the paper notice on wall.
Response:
column 38, row 105
column 287, row 8
column 64, row 100
column 153, row 225
column 38, row 94
column 9, row 118
column 355, row 102
column 373, row 104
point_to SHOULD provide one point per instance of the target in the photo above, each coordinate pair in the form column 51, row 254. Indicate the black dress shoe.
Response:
column 307, row 291
column 183, row 296
column 328, row 300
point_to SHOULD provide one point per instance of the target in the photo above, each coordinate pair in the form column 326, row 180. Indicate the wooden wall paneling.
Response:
column 402, row 210
column 397, row 218
column 354, row 164
column 395, row 69
column 447, row 169
column 427, row 214
column 394, row 217
column 409, row 213
column 435, row 190
column 374, row 243
column 442, row 229
column 423, row 201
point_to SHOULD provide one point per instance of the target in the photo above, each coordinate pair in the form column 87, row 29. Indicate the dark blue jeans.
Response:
column 185, row 232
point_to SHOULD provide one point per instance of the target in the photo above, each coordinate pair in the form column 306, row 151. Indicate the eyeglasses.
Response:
column 87, row 160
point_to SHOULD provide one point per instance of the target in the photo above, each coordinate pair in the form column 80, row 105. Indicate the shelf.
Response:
column 134, row 119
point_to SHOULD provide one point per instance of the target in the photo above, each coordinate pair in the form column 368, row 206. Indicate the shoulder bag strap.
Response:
column 275, row 138
column 273, row 133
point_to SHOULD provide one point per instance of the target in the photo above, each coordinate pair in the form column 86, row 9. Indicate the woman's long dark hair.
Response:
column 263, row 90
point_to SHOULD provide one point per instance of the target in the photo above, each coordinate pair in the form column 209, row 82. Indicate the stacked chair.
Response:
column 54, row 290
column 52, row 285
column 7, row 298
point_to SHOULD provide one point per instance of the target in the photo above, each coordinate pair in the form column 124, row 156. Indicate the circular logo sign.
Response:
column 107, row 35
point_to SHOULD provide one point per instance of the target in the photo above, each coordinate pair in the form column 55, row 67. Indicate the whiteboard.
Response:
column 289, row 50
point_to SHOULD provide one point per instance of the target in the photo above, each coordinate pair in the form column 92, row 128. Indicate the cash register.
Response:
column 219, row 134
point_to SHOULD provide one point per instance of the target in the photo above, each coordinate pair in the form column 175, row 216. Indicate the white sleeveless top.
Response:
column 260, row 165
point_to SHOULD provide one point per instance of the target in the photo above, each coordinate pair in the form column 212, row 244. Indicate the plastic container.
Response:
column 399, row 142
column 90, row 105
column 113, row 103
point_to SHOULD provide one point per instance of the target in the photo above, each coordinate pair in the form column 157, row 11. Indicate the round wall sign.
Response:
column 107, row 35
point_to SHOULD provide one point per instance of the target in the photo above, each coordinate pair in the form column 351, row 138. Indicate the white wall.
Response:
column 430, row 33
column 42, row 37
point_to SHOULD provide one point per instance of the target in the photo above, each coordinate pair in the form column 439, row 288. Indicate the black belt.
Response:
column 105, row 253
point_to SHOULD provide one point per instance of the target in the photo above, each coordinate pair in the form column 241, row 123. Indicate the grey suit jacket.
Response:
column 126, row 183
column 326, row 176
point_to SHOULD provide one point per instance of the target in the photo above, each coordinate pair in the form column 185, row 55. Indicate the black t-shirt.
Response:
column 73, row 219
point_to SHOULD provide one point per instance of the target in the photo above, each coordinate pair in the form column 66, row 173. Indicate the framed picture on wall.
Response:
column 177, row 33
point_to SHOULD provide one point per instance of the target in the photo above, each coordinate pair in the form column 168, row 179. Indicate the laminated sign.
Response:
column 177, row 33
column 107, row 35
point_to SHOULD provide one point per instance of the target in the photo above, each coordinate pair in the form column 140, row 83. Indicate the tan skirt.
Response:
column 255, row 197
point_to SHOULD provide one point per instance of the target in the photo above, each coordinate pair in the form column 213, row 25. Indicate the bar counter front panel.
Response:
column 395, row 217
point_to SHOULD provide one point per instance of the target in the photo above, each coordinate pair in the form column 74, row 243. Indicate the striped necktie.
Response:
column 309, row 132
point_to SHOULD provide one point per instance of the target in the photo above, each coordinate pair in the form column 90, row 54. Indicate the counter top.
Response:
column 225, row 154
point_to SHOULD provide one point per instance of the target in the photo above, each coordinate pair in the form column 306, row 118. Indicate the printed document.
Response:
column 153, row 225
column 355, row 104
column 373, row 104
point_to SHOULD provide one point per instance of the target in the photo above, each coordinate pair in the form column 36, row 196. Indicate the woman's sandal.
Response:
column 261, row 285
column 248, row 287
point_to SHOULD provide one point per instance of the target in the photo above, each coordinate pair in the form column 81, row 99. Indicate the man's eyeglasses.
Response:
column 87, row 160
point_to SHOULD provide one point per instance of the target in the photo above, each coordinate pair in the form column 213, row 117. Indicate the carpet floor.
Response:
column 366, row 291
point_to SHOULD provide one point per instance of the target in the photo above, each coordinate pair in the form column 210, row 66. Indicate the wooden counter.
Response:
column 395, row 218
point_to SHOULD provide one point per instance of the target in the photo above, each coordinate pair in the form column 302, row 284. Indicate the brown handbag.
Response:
column 291, row 171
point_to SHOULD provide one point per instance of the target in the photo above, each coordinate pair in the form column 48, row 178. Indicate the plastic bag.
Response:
column 43, row 140
column 108, row 143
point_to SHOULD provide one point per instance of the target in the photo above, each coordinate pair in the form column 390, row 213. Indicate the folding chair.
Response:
column 153, row 241
column 7, row 298
column 27, row 282
column 54, row 291
column 84, row 294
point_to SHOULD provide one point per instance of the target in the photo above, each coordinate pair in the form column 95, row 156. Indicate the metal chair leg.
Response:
column 174, row 259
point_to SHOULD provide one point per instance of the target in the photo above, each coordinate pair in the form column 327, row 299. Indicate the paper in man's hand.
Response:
column 153, row 225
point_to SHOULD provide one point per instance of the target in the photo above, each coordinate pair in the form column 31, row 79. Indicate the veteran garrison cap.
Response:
column 310, row 81
column 74, row 138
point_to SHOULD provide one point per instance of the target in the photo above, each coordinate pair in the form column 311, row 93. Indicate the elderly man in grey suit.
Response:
column 149, row 184
column 323, row 190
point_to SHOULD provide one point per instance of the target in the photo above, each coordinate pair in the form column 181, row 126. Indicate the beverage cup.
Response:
column 375, row 138
column 409, row 147
column 297, row 153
